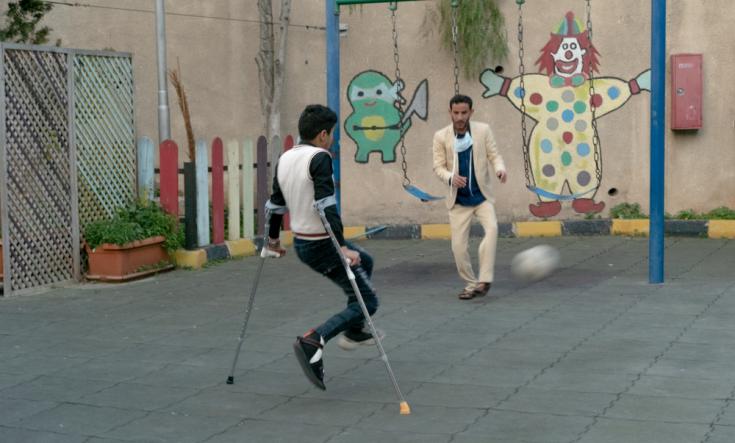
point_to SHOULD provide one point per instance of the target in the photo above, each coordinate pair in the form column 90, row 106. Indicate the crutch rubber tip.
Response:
column 405, row 409
column 230, row 380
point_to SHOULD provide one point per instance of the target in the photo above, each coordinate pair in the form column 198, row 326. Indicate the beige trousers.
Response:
column 460, row 220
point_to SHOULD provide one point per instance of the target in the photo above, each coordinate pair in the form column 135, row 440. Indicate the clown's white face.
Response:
column 568, row 58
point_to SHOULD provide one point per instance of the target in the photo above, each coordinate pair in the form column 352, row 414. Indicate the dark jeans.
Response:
column 321, row 256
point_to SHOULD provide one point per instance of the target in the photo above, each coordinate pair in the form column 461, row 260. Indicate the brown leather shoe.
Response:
column 467, row 294
column 482, row 289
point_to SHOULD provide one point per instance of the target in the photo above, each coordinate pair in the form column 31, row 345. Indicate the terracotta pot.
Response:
column 108, row 262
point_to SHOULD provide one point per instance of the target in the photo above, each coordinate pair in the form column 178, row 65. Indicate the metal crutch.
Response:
column 320, row 206
column 248, row 310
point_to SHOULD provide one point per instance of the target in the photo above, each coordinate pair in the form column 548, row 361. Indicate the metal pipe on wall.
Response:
column 164, row 126
column 333, row 62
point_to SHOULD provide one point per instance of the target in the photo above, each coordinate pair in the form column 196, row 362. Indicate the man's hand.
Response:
column 273, row 249
column 353, row 257
column 458, row 181
column 502, row 176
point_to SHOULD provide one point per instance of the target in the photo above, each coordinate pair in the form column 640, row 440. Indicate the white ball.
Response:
column 535, row 263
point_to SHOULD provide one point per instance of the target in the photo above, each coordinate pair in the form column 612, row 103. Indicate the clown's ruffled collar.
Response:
column 557, row 81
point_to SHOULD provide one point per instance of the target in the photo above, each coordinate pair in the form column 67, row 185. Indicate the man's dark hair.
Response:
column 315, row 119
column 459, row 98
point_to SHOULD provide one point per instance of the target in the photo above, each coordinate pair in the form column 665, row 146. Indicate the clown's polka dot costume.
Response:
column 561, row 145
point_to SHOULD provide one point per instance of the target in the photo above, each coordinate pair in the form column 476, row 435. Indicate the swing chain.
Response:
column 455, row 37
column 396, row 58
column 522, row 87
column 593, row 105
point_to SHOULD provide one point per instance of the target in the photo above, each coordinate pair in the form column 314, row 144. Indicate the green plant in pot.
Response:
column 137, row 241
column 137, row 222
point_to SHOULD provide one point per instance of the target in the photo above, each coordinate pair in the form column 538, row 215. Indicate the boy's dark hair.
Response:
column 315, row 119
column 459, row 98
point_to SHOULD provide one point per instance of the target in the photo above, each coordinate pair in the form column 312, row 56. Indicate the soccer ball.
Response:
column 535, row 263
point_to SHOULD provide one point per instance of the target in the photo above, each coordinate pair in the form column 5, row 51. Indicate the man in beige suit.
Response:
column 464, row 153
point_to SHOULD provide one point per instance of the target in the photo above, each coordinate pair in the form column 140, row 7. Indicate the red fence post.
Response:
column 169, row 177
column 262, row 182
column 218, row 192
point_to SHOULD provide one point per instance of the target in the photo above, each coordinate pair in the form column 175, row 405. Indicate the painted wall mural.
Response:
column 563, row 157
column 377, row 123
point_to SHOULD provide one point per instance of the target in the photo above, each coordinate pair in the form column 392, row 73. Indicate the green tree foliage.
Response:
column 482, row 36
column 21, row 21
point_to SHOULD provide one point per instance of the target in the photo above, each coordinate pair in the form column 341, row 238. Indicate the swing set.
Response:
column 597, row 149
column 421, row 93
column 407, row 184
column 658, row 110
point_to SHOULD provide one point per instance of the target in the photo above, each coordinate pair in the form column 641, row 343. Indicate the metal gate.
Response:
column 67, row 156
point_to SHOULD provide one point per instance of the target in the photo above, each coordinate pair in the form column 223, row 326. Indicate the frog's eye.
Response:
column 379, row 92
column 360, row 93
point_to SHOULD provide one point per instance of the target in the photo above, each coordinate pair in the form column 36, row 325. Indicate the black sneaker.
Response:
column 309, row 351
column 351, row 339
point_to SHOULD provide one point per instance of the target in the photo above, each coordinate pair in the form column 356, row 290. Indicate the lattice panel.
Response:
column 37, row 153
column 104, row 135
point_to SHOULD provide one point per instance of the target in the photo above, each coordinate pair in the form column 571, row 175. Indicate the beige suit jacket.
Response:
column 484, row 154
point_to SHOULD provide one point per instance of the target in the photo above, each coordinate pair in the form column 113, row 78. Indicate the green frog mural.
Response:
column 377, row 122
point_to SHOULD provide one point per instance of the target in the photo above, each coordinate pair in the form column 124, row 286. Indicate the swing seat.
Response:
column 421, row 195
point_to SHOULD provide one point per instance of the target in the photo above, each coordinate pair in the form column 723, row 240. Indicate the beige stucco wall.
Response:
column 216, row 55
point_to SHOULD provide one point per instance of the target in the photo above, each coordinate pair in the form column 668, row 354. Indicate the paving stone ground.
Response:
column 592, row 354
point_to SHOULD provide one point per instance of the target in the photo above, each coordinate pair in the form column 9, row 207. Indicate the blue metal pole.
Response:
column 658, row 145
column 333, row 90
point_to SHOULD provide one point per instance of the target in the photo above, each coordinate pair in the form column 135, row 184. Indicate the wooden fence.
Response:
column 217, row 203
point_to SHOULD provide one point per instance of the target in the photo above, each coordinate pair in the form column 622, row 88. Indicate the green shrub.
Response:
column 689, row 214
column 627, row 211
column 633, row 210
column 137, row 222
column 721, row 213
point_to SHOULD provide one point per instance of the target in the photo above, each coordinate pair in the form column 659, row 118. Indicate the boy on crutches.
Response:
column 303, row 178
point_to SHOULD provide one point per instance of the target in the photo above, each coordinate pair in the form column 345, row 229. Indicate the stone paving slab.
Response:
column 79, row 419
column 643, row 431
column 591, row 354
column 260, row 430
column 518, row 426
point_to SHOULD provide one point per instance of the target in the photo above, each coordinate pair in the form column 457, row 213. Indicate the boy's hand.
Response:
column 353, row 257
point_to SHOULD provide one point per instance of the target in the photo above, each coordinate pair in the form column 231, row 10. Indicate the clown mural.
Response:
column 377, row 122
column 564, row 161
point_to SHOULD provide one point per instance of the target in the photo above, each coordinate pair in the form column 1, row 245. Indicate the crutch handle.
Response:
column 266, row 252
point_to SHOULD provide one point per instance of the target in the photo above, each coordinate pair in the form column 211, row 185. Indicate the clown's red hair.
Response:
column 590, row 58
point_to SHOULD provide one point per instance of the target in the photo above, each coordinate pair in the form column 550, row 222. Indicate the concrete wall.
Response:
column 215, row 43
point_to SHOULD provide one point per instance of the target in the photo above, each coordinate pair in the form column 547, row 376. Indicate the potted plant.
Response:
column 134, row 243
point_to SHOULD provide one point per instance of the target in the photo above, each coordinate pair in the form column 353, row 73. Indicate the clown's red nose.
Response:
column 568, row 55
